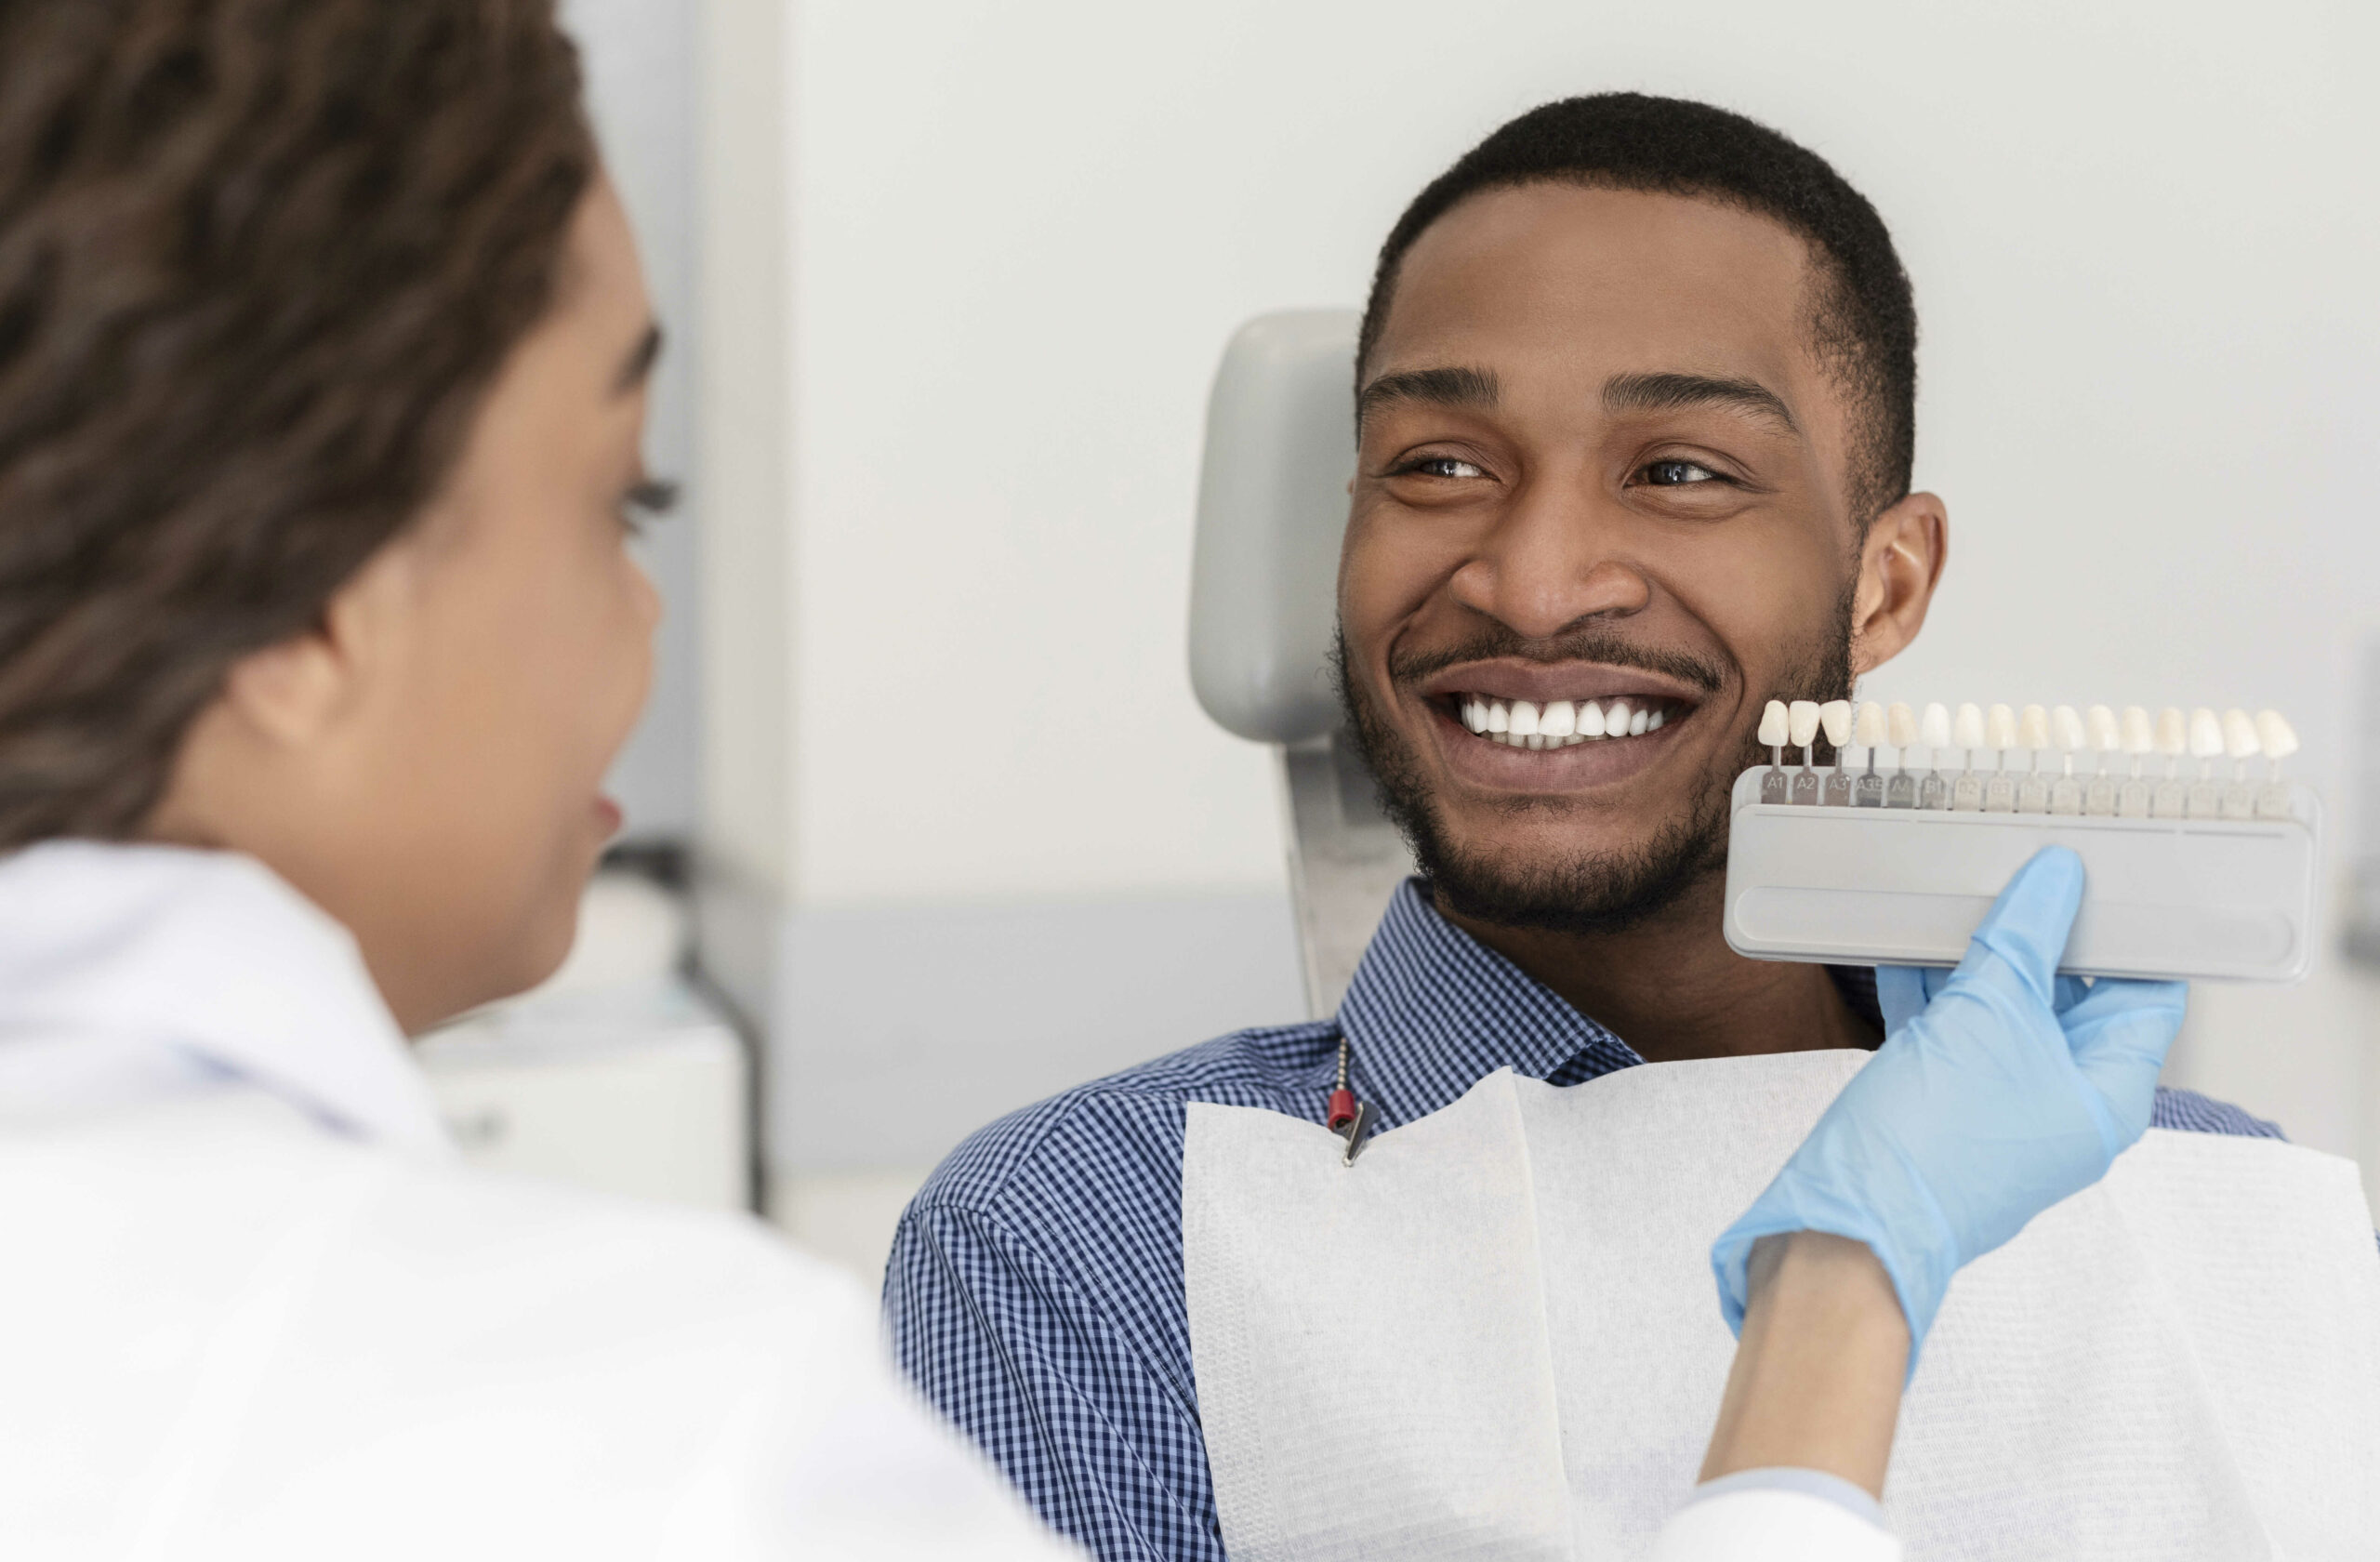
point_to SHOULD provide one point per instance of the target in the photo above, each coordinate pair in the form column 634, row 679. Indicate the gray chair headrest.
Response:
column 1272, row 506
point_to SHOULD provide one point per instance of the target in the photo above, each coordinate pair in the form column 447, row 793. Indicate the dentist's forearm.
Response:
column 1818, row 1368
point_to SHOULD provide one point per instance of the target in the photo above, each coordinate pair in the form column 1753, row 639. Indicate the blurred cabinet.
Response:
column 642, row 1091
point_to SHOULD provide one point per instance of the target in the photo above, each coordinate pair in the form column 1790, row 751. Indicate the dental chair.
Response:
column 1264, row 610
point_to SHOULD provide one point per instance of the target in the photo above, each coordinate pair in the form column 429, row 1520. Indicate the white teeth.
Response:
column 1774, row 724
column 1558, row 723
column 1870, row 729
column 2280, row 739
column 1966, row 728
column 1834, row 720
column 1900, row 724
column 1802, row 722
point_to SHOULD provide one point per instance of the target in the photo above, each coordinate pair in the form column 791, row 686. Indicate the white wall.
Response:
column 2144, row 246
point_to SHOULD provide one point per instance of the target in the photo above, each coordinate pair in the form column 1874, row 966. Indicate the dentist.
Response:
column 322, row 353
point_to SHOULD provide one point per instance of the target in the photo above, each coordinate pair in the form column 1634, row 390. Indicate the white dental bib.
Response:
column 1496, row 1335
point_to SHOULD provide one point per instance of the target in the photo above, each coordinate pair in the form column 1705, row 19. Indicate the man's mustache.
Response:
column 1598, row 645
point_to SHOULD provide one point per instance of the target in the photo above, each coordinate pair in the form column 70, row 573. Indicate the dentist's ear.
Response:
column 297, row 693
column 1900, row 563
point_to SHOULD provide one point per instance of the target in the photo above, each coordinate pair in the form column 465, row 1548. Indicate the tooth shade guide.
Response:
column 2228, row 899
column 1775, row 726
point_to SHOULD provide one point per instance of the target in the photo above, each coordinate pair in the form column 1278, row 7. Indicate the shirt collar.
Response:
column 211, row 954
column 1431, row 1011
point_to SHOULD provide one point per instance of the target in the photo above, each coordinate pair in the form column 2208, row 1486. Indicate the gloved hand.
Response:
column 2001, row 1088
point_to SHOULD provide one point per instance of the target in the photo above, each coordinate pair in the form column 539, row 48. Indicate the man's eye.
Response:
column 1673, row 474
column 1444, row 466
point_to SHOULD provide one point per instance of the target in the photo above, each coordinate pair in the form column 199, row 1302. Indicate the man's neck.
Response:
column 1670, row 987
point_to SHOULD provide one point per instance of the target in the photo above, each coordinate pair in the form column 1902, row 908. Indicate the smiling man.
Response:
column 1635, row 407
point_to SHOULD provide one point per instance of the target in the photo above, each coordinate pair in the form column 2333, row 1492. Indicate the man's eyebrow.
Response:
column 1475, row 388
column 1667, row 392
column 638, row 365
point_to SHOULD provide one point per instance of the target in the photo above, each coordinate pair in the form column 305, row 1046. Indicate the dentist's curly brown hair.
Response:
column 259, row 260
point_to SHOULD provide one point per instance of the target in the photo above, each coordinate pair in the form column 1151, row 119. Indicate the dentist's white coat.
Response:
column 251, row 1305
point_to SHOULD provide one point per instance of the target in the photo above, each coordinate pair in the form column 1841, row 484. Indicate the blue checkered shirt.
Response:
column 1035, row 1286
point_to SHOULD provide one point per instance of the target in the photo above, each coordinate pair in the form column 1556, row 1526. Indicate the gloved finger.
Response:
column 1901, row 994
column 2119, row 1036
column 2024, row 933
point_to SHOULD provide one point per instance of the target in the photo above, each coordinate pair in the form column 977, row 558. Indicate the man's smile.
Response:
column 1515, row 725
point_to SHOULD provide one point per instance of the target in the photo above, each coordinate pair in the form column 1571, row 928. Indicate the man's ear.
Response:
column 1901, row 563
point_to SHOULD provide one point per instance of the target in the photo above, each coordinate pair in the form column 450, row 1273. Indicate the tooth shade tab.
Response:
column 1834, row 717
column 1869, row 730
column 1934, row 731
column 2206, row 733
column 1559, row 719
column 2139, row 731
column 2173, row 732
column 1802, row 722
column 2066, row 728
column 2032, row 727
column 2000, row 727
column 1590, row 719
column 1773, row 728
column 2240, row 740
column 1900, row 722
column 1967, row 731
column 2279, row 738
column 2101, row 721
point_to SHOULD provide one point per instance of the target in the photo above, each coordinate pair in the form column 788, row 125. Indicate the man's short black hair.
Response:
column 1863, row 319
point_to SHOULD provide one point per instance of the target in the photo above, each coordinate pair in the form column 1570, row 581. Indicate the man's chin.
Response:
column 1578, row 892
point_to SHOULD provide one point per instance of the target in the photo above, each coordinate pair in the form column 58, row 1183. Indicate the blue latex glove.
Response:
column 2001, row 1088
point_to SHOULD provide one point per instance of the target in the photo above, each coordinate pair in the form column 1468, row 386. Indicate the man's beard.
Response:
column 1591, row 892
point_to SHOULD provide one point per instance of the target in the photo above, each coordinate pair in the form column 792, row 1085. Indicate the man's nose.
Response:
column 1556, row 556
